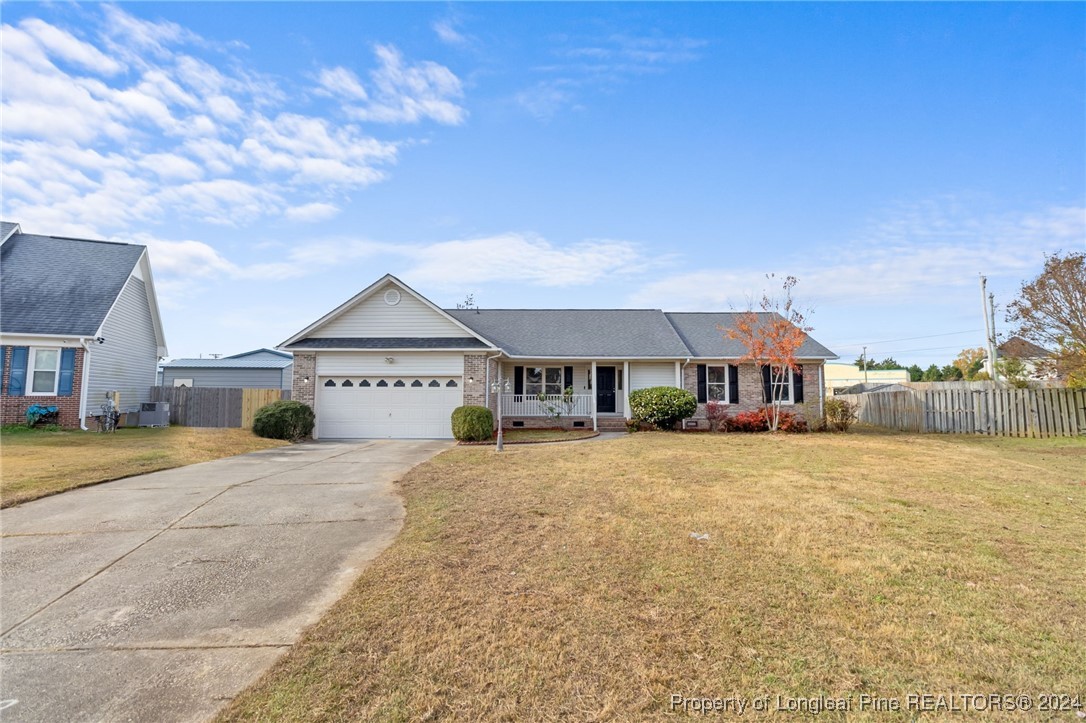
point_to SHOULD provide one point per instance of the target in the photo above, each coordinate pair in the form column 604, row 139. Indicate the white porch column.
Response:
column 626, row 389
column 595, row 383
column 679, row 375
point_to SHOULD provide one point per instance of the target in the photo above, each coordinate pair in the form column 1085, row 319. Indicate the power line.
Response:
column 909, row 338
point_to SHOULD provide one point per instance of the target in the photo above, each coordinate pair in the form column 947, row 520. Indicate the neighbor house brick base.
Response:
column 13, row 409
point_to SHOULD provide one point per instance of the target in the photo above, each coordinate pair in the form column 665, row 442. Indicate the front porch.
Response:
column 575, row 393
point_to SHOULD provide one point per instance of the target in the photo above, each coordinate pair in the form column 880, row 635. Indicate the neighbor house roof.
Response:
column 227, row 363
column 604, row 333
column 1018, row 348
column 59, row 286
column 704, row 334
column 264, row 350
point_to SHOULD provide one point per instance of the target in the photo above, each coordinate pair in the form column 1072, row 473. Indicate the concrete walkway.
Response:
column 160, row 597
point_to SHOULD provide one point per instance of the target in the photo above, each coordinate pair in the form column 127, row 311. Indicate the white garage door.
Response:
column 356, row 407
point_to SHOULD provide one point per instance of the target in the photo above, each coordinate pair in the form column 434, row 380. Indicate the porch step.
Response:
column 611, row 424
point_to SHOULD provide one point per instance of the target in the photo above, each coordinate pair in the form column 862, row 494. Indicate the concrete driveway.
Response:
column 160, row 597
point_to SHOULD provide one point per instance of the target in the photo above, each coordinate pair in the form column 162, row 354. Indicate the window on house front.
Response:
column 44, row 367
column 716, row 384
column 542, row 380
column 781, row 382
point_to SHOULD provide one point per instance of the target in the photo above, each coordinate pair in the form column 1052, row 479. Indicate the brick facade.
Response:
column 304, row 383
column 475, row 379
column 750, row 392
column 13, row 409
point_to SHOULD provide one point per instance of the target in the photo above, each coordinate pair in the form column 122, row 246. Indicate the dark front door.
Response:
column 605, row 389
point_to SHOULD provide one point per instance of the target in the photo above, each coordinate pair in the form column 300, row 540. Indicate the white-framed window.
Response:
column 44, row 371
column 780, row 381
column 542, row 380
column 716, row 385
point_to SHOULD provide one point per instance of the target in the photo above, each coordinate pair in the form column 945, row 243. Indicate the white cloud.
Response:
column 410, row 93
column 311, row 212
column 131, row 127
column 446, row 32
column 915, row 255
column 342, row 83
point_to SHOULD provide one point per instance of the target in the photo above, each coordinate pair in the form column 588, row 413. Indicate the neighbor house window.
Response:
column 44, row 368
column 542, row 380
column 716, row 384
column 781, row 382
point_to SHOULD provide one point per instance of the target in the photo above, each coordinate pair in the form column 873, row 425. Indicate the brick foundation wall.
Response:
column 545, row 422
column 305, row 367
column 13, row 409
column 750, row 392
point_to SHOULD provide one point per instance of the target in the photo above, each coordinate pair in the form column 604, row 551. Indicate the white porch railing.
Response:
column 529, row 405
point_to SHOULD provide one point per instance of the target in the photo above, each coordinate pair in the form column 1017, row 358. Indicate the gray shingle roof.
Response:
column 6, row 227
column 229, row 363
column 700, row 332
column 52, row 285
column 605, row 333
column 444, row 342
column 262, row 350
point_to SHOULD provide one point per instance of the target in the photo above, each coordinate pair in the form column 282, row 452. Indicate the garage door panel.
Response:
column 409, row 410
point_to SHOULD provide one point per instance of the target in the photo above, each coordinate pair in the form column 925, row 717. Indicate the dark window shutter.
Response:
column 733, row 384
column 518, row 380
column 569, row 379
column 767, row 390
column 797, row 384
column 3, row 360
column 67, row 371
column 703, row 394
column 17, row 379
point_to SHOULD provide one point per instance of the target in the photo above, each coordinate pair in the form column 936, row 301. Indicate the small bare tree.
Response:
column 1051, row 311
column 772, row 336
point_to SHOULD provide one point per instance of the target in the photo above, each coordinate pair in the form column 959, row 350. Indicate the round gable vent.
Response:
column 392, row 297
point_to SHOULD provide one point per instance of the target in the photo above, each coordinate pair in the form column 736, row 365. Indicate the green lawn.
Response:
column 561, row 581
column 36, row 463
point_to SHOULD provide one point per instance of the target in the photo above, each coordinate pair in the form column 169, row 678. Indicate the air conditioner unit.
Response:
column 154, row 414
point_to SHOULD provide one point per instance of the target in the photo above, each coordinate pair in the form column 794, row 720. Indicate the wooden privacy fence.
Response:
column 215, row 406
column 1048, row 412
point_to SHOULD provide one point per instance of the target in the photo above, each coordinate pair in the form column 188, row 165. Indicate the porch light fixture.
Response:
column 305, row 380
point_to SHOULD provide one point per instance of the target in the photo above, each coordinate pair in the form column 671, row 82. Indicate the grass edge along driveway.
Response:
column 37, row 463
column 555, row 582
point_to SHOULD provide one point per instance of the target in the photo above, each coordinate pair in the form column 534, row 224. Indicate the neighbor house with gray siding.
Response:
column 78, row 318
column 256, row 369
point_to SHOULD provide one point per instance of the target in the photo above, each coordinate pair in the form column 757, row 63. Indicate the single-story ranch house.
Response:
column 389, row 363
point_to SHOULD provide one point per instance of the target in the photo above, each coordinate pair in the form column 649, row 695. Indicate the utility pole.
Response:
column 865, row 365
column 992, row 343
column 989, row 327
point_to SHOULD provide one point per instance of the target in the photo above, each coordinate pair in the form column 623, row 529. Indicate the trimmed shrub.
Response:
column 753, row 421
column 284, row 420
column 790, row 422
column 662, row 407
column 472, row 424
column 840, row 414
column 717, row 414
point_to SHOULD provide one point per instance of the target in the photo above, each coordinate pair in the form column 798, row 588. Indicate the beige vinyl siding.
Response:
column 403, row 363
column 374, row 318
column 127, row 361
column 651, row 374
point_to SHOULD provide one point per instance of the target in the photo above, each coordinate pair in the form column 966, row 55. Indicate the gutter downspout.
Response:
column 821, row 390
column 682, row 378
column 83, row 384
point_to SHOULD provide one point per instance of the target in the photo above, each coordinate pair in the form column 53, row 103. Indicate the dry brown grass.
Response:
column 35, row 463
column 522, row 436
column 561, row 582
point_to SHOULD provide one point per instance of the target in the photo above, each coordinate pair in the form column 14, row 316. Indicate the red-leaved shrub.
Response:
column 753, row 421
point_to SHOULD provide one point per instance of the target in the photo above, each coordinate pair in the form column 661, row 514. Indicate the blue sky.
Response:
column 279, row 157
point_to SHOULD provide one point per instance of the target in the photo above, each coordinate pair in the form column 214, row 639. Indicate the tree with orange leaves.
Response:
column 772, row 337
